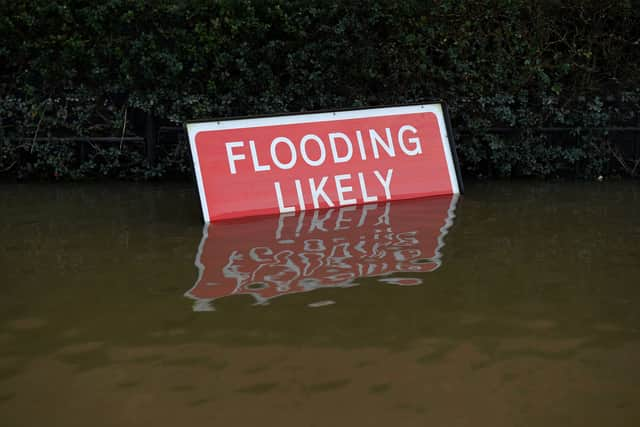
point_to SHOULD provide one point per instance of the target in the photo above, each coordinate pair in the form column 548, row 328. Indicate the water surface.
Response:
column 515, row 304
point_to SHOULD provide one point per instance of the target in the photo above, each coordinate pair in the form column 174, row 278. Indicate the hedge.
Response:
column 534, row 87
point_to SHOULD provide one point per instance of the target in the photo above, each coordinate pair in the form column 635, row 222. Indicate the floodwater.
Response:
column 516, row 304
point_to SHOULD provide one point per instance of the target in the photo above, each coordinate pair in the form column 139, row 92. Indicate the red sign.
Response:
column 283, row 164
column 290, row 253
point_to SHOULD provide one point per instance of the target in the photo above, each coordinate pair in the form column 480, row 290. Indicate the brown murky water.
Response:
column 516, row 304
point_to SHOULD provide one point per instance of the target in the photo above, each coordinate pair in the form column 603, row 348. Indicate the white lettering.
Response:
column 274, row 155
column 377, row 140
column 254, row 156
column 363, row 187
column 233, row 157
column 386, row 182
column 334, row 150
column 319, row 192
column 300, row 196
column 341, row 190
column 363, row 154
column 305, row 155
column 281, row 206
column 415, row 141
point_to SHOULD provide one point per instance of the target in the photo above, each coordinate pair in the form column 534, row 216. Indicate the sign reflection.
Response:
column 271, row 256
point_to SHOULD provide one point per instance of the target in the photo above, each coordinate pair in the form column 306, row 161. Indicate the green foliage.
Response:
column 64, row 160
column 74, row 68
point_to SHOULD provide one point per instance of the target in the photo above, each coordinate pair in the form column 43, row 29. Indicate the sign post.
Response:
column 291, row 163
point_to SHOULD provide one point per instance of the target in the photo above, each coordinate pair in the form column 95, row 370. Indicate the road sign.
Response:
column 290, row 163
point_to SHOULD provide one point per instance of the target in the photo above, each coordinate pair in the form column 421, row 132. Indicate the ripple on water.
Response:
column 5, row 338
column 75, row 349
column 5, row 397
column 9, row 367
column 258, row 388
column 168, row 333
column 327, row 386
column 27, row 324
column 380, row 388
column 541, row 324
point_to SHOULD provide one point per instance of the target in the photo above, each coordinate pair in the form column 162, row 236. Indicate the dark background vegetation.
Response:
column 535, row 88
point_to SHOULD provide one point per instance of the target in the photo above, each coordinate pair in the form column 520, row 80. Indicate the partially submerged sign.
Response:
column 290, row 163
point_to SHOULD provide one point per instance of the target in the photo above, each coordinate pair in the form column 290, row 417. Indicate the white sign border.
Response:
column 194, row 128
